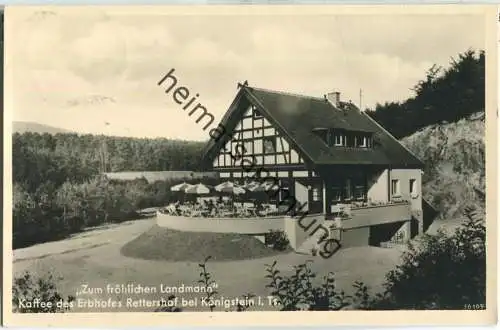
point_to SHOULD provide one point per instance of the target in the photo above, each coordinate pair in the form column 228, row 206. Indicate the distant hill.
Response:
column 453, row 153
column 25, row 126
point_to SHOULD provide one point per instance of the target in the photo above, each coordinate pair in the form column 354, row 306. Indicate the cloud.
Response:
column 66, row 56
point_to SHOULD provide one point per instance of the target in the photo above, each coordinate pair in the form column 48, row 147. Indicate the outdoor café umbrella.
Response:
column 269, row 186
column 264, row 187
column 181, row 187
column 223, row 185
column 198, row 189
column 230, row 188
column 236, row 190
column 251, row 186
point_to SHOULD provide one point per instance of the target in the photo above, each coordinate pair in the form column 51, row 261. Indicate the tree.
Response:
column 443, row 95
column 440, row 271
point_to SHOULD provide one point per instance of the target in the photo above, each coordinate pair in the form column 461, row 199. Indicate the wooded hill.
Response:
column 444, row 95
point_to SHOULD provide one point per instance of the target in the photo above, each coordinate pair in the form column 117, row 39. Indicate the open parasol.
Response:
column 198, row 189
column 181, row 186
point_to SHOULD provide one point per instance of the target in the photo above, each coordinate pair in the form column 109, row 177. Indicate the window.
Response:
column 413, row 186
column 336, row 194
column 350, row 141
column 359, row 190
column 361, row 141
column 269, row 144
column 395, row 187
column 338, row 140
column 284, row 193
column 256, row 113
column 341, row 138
column 316, row 194
column 348, row 189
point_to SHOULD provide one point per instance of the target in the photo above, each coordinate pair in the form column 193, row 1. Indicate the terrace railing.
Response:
column 369, row 215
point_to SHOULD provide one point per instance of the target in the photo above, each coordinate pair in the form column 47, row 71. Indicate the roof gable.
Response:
column 231, row 120
column 297, row 116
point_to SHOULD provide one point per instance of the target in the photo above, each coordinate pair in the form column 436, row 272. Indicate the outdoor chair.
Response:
column 196, row 213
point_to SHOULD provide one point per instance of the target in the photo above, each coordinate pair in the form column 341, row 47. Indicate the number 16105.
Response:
column 474, row 306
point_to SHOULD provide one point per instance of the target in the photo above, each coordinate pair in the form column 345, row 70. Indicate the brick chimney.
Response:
column 334, row 98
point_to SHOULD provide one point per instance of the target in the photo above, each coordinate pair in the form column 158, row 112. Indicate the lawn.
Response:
column 160, row 243
column 94, row 258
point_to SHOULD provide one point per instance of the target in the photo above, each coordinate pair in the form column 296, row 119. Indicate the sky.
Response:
column 79, row 70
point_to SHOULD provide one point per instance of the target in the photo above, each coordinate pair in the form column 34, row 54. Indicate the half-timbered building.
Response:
column 323, row 151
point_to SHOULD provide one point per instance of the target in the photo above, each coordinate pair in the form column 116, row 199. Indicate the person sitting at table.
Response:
column 210, row 206
column 259, row 208
column 177, row 207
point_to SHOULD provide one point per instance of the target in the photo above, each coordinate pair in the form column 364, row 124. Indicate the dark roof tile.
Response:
column 299, row 115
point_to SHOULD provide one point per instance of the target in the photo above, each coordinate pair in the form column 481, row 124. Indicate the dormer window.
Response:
column 333, row 137
column 339, row 140
column 363, row 141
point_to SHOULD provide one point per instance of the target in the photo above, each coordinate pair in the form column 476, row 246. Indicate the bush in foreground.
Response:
column 440, row 271
column 40, row 295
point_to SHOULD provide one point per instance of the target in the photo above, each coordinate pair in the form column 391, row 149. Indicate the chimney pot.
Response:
column 334, row 98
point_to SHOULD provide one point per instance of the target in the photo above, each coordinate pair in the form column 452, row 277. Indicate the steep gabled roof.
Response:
column 297, row 116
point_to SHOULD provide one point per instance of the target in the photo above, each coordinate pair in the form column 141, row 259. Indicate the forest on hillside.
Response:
column 57, row 190
column 444, row 95
column 41, row 159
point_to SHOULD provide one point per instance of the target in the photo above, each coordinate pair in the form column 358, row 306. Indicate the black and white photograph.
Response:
column 250, row 159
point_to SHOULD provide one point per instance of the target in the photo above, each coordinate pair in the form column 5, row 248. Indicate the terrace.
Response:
column 369, row 214
column 226, row 200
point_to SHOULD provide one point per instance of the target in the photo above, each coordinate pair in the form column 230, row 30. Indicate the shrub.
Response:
column 277, row 239
column 208, row 283
column 40, row 295
column 440, row 271
column 297, row 292
column 210, row 288
column 53, row 213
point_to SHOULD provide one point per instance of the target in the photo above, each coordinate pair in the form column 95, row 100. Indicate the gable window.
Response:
column 395, row 188
column 269, row 144
column 256, row 113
